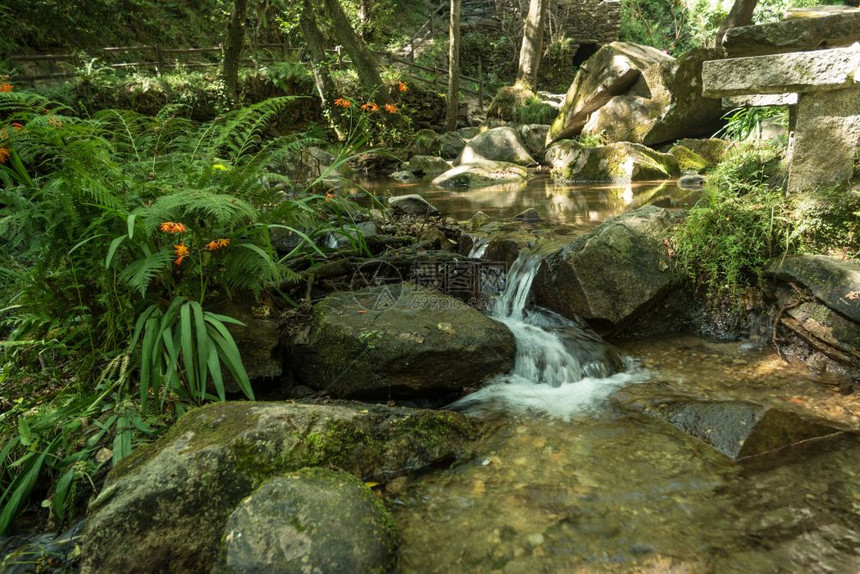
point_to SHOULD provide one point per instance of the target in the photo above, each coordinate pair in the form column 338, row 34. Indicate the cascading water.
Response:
column 560, row 367
column 479, row 248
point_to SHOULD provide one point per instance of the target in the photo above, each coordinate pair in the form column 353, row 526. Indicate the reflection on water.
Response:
column 555, row 202
column 605, row 492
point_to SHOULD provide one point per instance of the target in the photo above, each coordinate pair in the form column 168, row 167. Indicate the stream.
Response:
column 567, row 483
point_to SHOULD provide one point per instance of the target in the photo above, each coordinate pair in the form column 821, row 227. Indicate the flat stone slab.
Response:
column 796, row 72
column 834, row 282
column 830, row 31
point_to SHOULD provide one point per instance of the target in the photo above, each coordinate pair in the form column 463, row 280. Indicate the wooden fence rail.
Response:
column 161, row 59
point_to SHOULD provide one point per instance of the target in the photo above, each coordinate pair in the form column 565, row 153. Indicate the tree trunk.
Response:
column 532, row 46
column 362, row 59
column 453, row 67
column 316, row 48
column 740, row 15
column 233, row 49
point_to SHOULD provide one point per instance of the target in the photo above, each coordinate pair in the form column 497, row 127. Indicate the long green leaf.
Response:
column 187, row 344
column 203, row 347
column 18, row 492
column 112, row 249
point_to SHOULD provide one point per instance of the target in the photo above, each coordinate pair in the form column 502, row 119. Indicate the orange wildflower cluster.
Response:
column 370, row 107
column 171, row 227
column 343, row 103
column 402, row 88
column 182, row 252
column 4, row 154
column 5, row 87
column 217, row 244
column 391, row 108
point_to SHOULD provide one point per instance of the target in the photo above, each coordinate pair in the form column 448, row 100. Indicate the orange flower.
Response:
column 217, row 244
column 391, row 108
column 370, row 107
column 5, row 87
column 181, row 251
column 402, row 87
column 170, row 227
column 343, row 103
column 4, row 154
column 17, row 126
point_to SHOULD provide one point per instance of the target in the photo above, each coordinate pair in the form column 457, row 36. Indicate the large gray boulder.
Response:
column 610, row 72
column 664, row 104
column 620, row 162
column 450, row 145
column 169, row 502
column 481, row 173
column 534, row 138
column 400, row 340
column 501, row 144
column 313, row 520
column 614, row 273
column 412, row 204
column 737, row 429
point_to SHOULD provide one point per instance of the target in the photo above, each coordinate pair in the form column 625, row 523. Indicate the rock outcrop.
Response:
column 400, row 340
column 613, row 274
column 315, row 520
column 171, row 500
column 481, row 173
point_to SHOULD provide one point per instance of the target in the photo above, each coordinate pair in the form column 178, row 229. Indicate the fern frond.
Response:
column 139, row 274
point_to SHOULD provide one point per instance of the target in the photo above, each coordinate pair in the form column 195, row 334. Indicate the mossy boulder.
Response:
column 425, row 142
column 507, row 101
column 613, row 274
column 711, row 150
column 533, row 137
column 315, row 520
column 426, row 165
column 688, row 160
column 498, row 144
column 451, row 144
column 400, row 341
column 618, row 163
column 169, row 502
column 481, row 173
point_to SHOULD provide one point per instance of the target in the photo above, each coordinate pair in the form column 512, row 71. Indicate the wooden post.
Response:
column 159, row 60
column 339, row 57
column 480, row 86
column 435, row 78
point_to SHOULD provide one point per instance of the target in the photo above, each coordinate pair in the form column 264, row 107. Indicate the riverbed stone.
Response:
column 610, row 72
column 793, row 35
column 170, row 500
column 403, row 176
column 612, row 274
column 737, row 429
column 313, row 520
column 426, row 165
column 425, row 142
column 711, row 150
column 412, row 204
column 400, row 340
column 665, row 104
column 481, row 173
column 500, row 144
column 620, row 162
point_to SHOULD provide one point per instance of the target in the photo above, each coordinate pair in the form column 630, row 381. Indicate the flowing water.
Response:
column 566, row 484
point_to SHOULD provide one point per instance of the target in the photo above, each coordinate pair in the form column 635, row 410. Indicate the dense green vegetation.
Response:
column 132, row 202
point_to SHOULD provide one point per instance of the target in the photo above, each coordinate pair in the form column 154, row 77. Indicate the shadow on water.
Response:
column 570, row 204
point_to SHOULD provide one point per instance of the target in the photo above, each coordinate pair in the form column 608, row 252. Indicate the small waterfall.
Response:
column 561, row 368
column 479, row 248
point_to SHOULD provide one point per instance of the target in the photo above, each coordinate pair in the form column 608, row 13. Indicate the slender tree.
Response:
column 362, row 58
column 453, row 67
column 316, row 48
column 740, row 15
column 233, row 49
column 532, row 46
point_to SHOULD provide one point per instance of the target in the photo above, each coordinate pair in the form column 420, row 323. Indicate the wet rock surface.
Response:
column 613, row 274
column 315, row 520
column 618, row 163
column 173, row 498
column 481, row 173
column 399, row 341
column 501, row 144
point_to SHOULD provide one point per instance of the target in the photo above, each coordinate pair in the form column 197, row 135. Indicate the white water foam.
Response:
column 560, row 369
